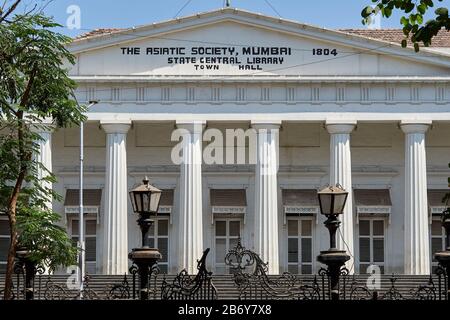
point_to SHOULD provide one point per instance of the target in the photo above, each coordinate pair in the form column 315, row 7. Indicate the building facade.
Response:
column 318, row 106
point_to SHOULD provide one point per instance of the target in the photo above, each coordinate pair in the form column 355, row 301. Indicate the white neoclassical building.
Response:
column 327, row 106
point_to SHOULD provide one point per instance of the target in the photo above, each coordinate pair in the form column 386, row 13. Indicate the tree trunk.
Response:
column 12, row 207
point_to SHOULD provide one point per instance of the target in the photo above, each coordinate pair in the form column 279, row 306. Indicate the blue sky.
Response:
column 122, row 14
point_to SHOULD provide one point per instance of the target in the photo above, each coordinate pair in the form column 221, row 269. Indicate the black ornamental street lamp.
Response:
column 443, row 257
column 145, row 200
column 27, row 266
column 332, row 201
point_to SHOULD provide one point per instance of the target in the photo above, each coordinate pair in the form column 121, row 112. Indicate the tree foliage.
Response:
column 414, row 27
column 49, row 243
column 35, row 92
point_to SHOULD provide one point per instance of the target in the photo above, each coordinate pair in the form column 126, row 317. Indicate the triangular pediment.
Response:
column 230, row 42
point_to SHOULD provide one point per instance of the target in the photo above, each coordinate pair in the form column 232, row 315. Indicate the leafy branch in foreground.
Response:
column 412, row 20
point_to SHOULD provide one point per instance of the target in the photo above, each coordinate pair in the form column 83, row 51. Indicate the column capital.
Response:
column 194, row 126
column 266, row 124
column 415, row 126
column 116, row 126
column 340, row 126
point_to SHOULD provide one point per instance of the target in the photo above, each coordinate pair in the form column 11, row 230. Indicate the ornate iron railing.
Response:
column 249, row 276
column 186, row 287
column 252, row 281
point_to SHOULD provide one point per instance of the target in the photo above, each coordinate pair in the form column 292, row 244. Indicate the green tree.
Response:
column 34, row 87
column 414, row 27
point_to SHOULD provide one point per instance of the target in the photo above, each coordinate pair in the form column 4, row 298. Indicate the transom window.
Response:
column 159, row 238
column 371, row 244
column 299, row 245
column 227, row 232
column 90, row 230
column 437, row 240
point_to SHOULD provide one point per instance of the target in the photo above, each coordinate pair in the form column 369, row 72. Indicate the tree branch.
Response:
column 27, row 92
column 7, row 106
column 9, row 11
column 19, row 51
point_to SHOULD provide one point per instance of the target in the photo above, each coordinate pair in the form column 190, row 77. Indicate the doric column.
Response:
column 191, row 212
column 417, row 241
column 266, row 193
column 115, row 229
column 341, row 173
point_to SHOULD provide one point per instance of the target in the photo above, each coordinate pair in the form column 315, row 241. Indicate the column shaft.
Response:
column 417, row 241
column 115, row 229
column 191, row 222
column 266, row 195
column 341, row 173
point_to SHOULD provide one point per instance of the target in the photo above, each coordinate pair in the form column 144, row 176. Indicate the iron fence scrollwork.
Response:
column 250, row 278
column 252, row 281
column 187, row 287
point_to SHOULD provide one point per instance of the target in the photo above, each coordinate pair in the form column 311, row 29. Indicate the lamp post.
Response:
column 443, row 257
column 29, row 267
column 332, row 201
column 145, row 200
column 81, row 236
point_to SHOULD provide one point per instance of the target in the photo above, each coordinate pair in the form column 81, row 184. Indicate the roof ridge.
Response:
column 365, row 29
column 441, row 40
column 388, row 35
column 98, row 32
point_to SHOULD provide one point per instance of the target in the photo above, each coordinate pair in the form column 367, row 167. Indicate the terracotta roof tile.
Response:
column 97, row 32
column 442, row 39
column 391, row 35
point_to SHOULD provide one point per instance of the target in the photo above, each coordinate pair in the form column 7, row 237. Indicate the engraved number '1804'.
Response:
column 324, row 52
